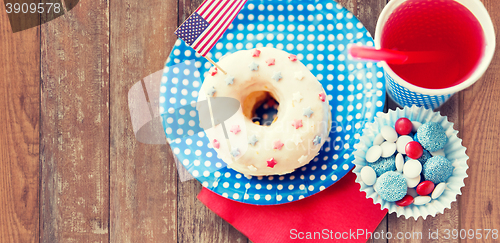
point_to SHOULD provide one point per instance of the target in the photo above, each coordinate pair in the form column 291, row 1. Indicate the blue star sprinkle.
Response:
column 308, row 112
column 253, row 140
column 235, row 152
column 211, row 91
column 229, row 80
column 253, row 66
column 277, row 76
column 317, row 140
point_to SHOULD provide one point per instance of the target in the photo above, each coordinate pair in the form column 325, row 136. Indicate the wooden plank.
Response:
column 143, row 190
column 19, row 132
column 75, row 125
column 479, row 130
column 196, row 223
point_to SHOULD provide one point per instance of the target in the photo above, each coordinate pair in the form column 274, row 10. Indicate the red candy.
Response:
column 271, row 162
column 414, row 150
column 292, row 58
column 405, row 201
column 403, row 126
column 425, row 188
column 255, row 53
column 213, row 71
column 322, row 97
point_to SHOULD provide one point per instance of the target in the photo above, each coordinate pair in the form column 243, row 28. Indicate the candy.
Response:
column 401, row 143
column 278, row 144
column 432, row 136
column 255, row 53
column 368, row 175
column 322, row 97
column 437, row 169
column 213, row 71
column 425, row 188
column 297, row 123
column 438, row 190
column 388, row 149
column 421, row 200
column 270, row 61
column 403, row 126
column 389, row 133
column 412, row 168
column 414, row 150
column 413, row 182
column 373, row 153
column 400, row 162
column 391, row 186
column 407, row 200
column 425, row 156
column 216, row 144
column 271, row 162
column 383, row 165
column 235, row 129
column 292, row 57
column 379, row 139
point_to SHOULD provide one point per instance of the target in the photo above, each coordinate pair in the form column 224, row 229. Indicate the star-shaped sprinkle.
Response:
column 277, row 76
column 297, row 123
column 216, row 144
column 299, row 75
column 270, row 61
column 278, row 144
column 252, row 168
column 297, row 97
column 211, row 91
column 271, row 162
column 213, row 71
column 235, row 152
column 308, row 112
column 292, row 57
column 229, row 79
column 255, row 53
column 322, row 96
column 253, row 139
column 297, row 140
column 303, row 159
column 253, row 66
column 235, row 129
column 317, row 140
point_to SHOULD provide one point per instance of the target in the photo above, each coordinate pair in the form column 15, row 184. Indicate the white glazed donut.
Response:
column 303, row 120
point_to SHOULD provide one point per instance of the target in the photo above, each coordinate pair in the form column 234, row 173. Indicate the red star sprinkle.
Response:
column 270, row 61
column 292, row 58
column 271, row 162
column 216, row 144
column 297, row 123
column 235, row 129
column 213, row 71
column 278, row 144
column 255, row 53
column 322, row 97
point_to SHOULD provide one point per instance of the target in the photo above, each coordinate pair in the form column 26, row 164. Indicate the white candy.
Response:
column 421, row 200
column 416, row 125
column 401, row 143
column 389, row 133
column 412, row 168
column 438, row 190
column 379, row 139
column 413, row 182
column 439, row 152
column 368, row 175
column 373, row 153
column 412, row 192
column 400, row 162
column 388, row 149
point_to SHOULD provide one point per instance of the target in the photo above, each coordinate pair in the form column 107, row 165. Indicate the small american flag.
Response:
column 207, row 24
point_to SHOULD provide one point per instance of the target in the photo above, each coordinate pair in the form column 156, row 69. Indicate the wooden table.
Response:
column 71, row 169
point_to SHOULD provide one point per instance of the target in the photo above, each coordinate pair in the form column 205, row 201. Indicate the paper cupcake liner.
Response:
column 454, row 151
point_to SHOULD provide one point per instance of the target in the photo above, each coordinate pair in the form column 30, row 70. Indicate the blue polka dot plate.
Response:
column 318, row 32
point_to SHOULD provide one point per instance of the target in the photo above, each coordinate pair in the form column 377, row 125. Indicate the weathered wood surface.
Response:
column 71, row 169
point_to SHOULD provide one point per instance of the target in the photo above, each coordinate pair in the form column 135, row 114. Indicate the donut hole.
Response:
column 261, row 108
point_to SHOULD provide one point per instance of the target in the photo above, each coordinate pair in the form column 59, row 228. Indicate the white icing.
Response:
column 298, row 143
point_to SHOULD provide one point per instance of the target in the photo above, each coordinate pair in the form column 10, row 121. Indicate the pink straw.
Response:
column 395, row 57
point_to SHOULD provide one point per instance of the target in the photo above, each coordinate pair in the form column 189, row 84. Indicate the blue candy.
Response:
column 391, row 186
column 437, row 169
column 425, row 156
column 383, row 165
column 432, row 136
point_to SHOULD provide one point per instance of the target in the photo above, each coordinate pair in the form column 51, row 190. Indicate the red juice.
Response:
column 435, row 25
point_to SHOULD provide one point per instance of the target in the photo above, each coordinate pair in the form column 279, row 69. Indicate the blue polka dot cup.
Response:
column 453, row 150
column 405, row 93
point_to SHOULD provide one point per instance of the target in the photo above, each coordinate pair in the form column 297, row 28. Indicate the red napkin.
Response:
column 341, row 212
